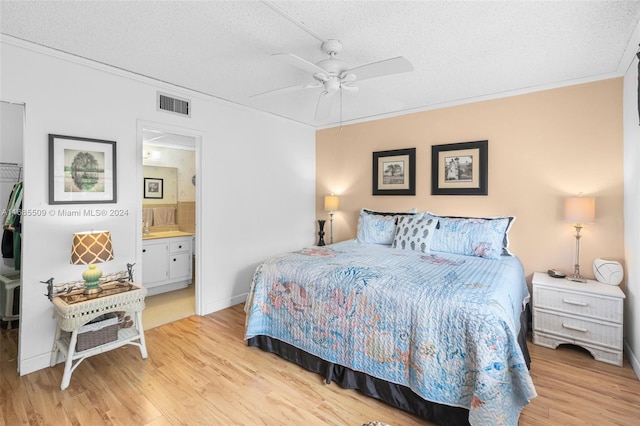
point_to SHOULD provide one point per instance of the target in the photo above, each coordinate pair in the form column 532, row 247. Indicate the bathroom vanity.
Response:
column 166, row 261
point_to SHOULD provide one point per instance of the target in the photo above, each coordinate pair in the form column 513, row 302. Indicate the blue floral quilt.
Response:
column 444, row 325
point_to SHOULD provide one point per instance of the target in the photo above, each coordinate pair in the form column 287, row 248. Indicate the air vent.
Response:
column 172, row 104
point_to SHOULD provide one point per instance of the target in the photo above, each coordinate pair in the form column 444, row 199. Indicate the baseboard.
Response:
column 224, row 304
column 633, row 360
column 35, row 363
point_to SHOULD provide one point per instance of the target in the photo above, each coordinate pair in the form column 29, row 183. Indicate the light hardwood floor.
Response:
column 200, row 371
column 169, row 307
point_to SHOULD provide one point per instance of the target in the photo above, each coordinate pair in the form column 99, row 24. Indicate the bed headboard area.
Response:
column 486, row 237
column 543, row 147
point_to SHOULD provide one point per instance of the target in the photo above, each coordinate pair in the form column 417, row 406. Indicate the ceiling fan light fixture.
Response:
column 348, row 77
column 321, row 77
column 332, row 85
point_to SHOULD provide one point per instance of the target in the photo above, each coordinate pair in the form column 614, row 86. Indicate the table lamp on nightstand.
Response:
column 331, row 203
column 579, row 210
column 89, row 248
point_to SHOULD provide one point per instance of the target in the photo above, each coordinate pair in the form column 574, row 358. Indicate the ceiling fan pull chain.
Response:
column 340, row 107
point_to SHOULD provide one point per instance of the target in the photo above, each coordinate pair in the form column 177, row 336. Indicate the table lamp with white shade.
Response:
column 579, row 211
column 331, row 204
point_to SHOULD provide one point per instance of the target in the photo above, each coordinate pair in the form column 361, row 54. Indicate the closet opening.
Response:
column 11, row 193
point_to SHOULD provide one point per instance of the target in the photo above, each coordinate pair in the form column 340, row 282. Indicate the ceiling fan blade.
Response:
column 300, row 63
column 381, row 68
column 349, row 88
column 288, row 89
column 312, row 85
column 348, row 77
column 325, row 104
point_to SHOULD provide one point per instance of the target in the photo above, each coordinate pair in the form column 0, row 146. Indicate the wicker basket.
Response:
column 103, row 329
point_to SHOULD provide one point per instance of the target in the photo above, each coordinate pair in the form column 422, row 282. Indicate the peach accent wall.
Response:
column 543, row 147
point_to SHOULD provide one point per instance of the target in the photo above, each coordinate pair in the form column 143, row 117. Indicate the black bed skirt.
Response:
column 396, row 395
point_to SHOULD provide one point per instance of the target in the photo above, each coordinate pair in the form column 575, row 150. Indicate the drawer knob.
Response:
column 573, row 327
column 574, row 302
column 180, row 246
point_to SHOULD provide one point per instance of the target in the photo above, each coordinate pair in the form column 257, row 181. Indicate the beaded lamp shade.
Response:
column 89, row 248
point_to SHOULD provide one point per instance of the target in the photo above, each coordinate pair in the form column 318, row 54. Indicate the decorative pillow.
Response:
column 378, row 227
column 414, row 233
column 472, row 236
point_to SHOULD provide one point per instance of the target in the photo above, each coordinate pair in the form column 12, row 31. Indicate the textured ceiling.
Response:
column 460, row 51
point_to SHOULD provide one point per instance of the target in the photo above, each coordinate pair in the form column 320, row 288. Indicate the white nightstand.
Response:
column 584, row 314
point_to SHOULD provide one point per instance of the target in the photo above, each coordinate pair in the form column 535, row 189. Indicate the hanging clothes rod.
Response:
column 10, row 172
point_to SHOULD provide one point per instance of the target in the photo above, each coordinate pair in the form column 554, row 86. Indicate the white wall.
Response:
column 256, row 180
column 632, row 214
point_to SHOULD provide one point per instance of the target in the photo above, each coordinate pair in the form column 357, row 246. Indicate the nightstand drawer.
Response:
column 589, row 331
column 588, row 305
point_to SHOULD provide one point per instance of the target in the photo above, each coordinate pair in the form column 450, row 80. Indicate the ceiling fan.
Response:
column 333, row 75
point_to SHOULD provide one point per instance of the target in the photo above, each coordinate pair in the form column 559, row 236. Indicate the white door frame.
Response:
column 198, row 136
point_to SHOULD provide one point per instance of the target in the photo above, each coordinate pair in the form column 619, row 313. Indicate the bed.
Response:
column 431, row 325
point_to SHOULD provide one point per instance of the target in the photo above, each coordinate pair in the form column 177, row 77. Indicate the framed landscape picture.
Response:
column 81, row 170
column 394, row 172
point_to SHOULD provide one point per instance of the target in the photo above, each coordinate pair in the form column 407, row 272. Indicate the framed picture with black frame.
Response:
column 394, row 172
column 460, row 168
column 81, row 170
column 153, row 188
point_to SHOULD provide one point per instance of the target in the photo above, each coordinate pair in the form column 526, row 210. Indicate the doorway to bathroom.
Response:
column 169, row 226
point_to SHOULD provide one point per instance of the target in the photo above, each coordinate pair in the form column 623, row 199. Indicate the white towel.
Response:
column 147, row 217
column 164, row 216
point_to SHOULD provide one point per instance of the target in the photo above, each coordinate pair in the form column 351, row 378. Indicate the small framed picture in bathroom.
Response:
column 153, row 187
